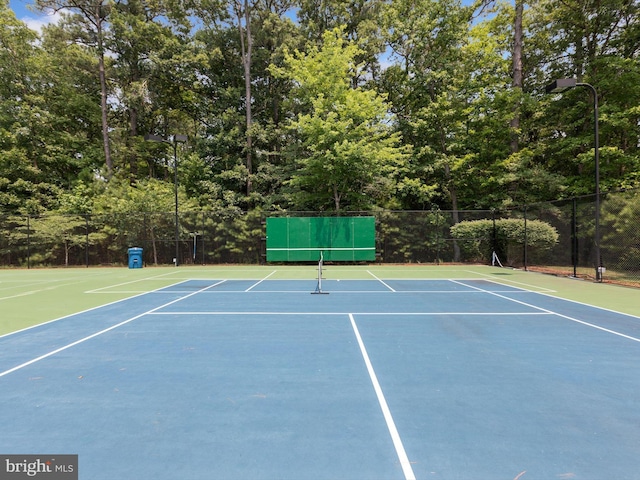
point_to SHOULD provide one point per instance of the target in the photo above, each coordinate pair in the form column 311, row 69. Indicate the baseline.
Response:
column 395, row 314
column 506, row 280
column 115, row 302
column 155, row 277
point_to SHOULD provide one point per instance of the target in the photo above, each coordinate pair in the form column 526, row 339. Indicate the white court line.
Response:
column 260, row 281
column 343, row 292
column 82, row 340
column 55, row 285
column 82, row 311
column 98, row 290
column 393, row 314
column 495, row 280
column 380, row 280
column 12, row 283
column 597, row 327
column 23, row 294
column 546, row 294
column 395, row 436
column 336, row 292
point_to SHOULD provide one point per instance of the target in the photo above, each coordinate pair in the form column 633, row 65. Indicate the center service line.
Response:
column 82, row 340
column 397, row 442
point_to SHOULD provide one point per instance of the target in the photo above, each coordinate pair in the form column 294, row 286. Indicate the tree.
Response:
column 155, row 72
column 243, row 15
column 151, row 199
column 593, row 42
column 517, row 73
column 350, row 153
column 361, row 21
column 34, row 163
column 19, row 174
column 58, row 231
column 91, row 17
column 430, row 93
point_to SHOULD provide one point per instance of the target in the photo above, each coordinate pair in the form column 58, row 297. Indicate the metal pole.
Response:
column 175, row 184
column 526, row 239
column 86, row 240
column 28, row 241
column 173, row 141
column 202, row 241
column 596, row 155
column 574, row 237
column 558, row 86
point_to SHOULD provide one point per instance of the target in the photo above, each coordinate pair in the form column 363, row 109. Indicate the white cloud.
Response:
column 41, row 21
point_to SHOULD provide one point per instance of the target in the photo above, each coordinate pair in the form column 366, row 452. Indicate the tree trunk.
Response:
column 133, row 132
column 246, row 43
column 95, row 12
column 103, row 90
column 517, row 76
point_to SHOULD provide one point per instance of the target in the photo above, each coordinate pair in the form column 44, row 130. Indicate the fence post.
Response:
column 28, row 242
column 574, row 237
column 493, row 235
column 526, row 244
column 145, row 237
column 437, row 213
column 86, row 240
column 202, row 236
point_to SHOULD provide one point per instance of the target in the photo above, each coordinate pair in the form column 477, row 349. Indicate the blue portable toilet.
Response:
column 135, row 257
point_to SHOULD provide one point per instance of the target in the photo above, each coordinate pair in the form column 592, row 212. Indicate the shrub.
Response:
column 476, row 238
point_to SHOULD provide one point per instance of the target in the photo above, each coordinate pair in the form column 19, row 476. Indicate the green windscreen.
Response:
column 302, row 239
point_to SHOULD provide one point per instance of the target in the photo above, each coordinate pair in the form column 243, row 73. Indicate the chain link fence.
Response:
column 557, row 237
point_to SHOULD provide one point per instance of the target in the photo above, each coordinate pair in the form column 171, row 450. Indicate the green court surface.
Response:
column 31, row 297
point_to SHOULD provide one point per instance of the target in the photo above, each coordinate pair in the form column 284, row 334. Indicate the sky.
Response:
column 33, row 19
column 36, row 20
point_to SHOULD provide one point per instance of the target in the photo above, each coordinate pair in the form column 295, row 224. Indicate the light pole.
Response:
column 173, row 141
column 559, row 86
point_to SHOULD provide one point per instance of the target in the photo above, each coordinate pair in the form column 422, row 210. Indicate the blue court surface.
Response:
column 374, row 379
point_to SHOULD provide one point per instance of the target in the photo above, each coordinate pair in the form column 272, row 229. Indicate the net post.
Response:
column 495, row 259
column 319, row 284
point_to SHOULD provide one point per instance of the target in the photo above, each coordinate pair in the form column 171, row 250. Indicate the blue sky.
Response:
column 34, row 19
column 25, row 11
column 19, row 7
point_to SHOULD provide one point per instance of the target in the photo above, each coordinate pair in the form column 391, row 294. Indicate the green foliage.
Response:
column 621, row 211
column 411, row 236
column 351, row 154
column 61, row 232
column 479, row 238
column 336, row 123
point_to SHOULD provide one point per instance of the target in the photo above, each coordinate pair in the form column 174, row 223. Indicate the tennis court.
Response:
column 198, row 375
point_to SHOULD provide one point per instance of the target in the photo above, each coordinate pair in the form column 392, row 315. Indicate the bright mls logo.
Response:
column 45, row 467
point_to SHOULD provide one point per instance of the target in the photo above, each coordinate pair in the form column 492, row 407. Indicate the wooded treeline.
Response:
column 319, row 105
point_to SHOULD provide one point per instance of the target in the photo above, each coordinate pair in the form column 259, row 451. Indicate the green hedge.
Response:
column 476, row 238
